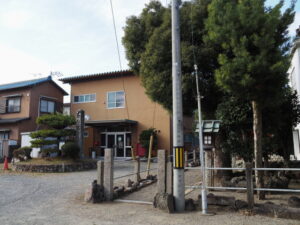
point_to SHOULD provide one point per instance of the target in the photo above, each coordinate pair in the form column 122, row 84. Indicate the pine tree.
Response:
column 253, row 57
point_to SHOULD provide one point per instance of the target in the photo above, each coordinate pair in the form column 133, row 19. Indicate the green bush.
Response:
column 70, row 150
column 22, row 153
column 145, row 139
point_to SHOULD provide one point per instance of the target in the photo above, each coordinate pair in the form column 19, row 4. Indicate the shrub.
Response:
column 145, row 139
column 70, row 150
column 22, row 153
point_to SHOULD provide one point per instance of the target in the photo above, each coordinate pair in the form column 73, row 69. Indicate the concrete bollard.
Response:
column 161, row 173
column 100, row 172
column 137, row 169
column 108, row 174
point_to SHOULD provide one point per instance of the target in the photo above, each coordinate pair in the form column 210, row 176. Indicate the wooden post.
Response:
column 194, row 155
column 100, row 172
column 249, row 180
column 108, row 174
column 149, row 154
column 161, row 173
column 137, row 167
column 133, row 155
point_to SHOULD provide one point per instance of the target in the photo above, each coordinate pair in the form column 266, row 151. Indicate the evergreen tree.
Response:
column 54, row 127
column 148, row 44
column 253, row 56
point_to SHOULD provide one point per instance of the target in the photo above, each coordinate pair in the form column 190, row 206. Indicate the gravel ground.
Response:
column 58, row 199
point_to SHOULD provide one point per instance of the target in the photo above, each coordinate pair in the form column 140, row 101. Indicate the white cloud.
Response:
column 15, row 19
column 17, row 65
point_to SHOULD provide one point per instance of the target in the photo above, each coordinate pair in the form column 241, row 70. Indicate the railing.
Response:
column 249, row 181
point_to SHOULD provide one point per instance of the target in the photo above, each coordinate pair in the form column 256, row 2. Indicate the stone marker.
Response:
column 108, row 174
column 161, row 173
column 100, row 172
column 164, row 201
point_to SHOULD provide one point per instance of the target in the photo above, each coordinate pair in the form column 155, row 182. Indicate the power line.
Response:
column 116, row 36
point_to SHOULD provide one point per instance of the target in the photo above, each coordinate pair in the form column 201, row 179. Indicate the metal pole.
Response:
column 203, row 188
column 178, row 153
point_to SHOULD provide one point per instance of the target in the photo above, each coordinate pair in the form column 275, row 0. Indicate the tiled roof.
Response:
column 96, row 76
column 25, row 83
column 28, row 83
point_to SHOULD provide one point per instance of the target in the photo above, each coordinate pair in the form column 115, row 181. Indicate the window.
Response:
column 207, row 140
column 13, row 105
column 115, row 99
column 4, row 135
column 47, row 106
column 85, row 98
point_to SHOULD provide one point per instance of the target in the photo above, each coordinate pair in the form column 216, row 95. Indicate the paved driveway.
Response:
column 58, row 199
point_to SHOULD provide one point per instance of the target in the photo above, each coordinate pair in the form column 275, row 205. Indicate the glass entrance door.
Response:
column 119, row 141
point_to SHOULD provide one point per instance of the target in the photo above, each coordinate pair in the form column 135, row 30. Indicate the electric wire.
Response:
column 119, row 55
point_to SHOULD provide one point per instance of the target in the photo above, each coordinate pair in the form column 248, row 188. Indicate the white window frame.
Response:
column 84, row 98
column 107, row 103
column 207, row 139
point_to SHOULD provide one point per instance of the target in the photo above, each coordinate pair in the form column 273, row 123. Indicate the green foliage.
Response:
column 254, row 45
column 144, row 139
column 147, row 42
column 55, row 125
column 52, row 133
column 56, row 121
column 70, row 150
column 22, row 153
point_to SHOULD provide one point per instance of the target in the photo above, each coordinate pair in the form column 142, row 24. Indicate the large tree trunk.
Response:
column 257, row 133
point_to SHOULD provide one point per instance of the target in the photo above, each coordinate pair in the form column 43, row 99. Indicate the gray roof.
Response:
column 97, row 76
column 29, row 83
column 14, row 120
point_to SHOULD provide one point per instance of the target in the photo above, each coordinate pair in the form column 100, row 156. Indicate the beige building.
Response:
column 117, row 110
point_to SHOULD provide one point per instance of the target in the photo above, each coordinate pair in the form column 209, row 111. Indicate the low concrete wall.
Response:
column 55, row 168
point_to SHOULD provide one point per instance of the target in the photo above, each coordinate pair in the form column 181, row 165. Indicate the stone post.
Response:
column 161, row 173
column 137, row 169
column 194, row 155
column 169, row 181
column 208, row 163
column 108, row 174
column 100, row 172
column 186, row 161
column 80, row 131
column 249, row 183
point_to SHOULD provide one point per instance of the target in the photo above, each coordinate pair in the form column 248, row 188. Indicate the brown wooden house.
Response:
column 22, row 102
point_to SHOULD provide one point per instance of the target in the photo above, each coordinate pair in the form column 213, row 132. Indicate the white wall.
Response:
column 25, row 141
column 294, row 81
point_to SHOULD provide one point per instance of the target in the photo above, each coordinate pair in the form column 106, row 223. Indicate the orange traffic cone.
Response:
column 5, row 164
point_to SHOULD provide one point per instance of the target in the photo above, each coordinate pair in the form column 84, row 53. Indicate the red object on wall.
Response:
column 140, row 151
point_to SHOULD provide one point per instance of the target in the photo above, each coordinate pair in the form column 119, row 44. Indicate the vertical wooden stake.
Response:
column 149, row 154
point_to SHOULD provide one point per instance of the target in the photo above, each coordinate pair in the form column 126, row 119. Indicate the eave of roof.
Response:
column 109, row 122
column 97, row 76
column 14, row 120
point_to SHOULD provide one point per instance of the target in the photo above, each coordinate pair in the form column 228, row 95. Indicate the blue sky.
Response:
column 70, row 36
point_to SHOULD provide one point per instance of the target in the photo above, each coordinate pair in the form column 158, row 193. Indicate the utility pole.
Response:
column 178, row 151
column 203, row 187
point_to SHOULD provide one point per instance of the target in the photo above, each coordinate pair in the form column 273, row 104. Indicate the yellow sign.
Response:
column 179, row 157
